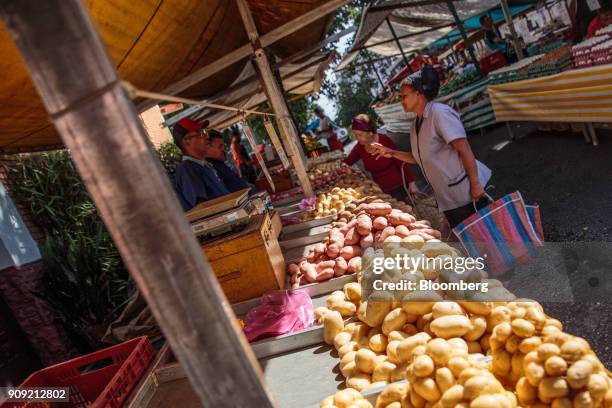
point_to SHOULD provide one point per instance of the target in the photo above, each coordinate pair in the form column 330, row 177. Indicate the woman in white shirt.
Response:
column 440, row 148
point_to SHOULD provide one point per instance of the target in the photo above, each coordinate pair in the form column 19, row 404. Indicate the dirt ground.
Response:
column 572, row 182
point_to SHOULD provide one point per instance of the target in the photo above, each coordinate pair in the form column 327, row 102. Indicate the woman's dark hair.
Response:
column 426, row 82
column 368, row 120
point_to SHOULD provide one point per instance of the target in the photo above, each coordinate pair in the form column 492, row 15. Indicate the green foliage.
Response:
column 354, row 96
column 86, row 281
column 169, row 155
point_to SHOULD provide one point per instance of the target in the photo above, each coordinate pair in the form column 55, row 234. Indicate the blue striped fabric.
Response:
column 507, row 231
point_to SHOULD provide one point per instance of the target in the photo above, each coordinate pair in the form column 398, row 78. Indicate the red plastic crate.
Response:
column 102, row 379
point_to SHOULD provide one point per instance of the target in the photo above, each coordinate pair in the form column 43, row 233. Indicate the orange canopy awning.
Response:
column 153, row 43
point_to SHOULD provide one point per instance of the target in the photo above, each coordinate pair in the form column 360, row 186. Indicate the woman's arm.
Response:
column 383, row 151
column 353, row 156
column 469, row 164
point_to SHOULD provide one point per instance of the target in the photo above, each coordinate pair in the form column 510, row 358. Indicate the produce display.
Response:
column 458, row 81
column 457, row 353
column 594, row 51
column 514, row 72
column 434, row 348
column 348, row 398
column 311, row 142
column 364, row 223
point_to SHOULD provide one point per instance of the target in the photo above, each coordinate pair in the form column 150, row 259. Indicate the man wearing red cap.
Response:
column 196, row 179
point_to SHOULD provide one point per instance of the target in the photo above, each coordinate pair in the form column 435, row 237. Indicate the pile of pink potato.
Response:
column 375, row 223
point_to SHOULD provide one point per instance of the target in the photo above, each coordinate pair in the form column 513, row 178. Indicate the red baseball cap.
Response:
column 191, row 125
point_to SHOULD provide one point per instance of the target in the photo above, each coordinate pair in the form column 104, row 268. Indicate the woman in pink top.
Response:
column 386, row 172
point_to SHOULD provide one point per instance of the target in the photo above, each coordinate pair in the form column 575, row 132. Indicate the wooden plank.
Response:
column 94, row 115
column 272, row 88
column 302, row 21
column 305, row 240
column 305, row 232
column 146, row 388
column 246, row 50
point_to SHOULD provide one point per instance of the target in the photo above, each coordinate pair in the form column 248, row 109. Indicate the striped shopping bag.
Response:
column 505, row 233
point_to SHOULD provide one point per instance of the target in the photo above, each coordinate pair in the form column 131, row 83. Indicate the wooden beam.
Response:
column 201, row 74
column 247, row 50
column 233, row 102
column 302, row 21
column 275, row 97
column 316, row 47
column 97, row 122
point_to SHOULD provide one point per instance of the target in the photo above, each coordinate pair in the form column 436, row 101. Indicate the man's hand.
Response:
column 476, row 191
column 381, row 151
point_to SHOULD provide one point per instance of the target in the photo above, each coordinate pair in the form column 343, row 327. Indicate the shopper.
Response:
column 494, row 40
column 196, row 179
column 440, row 148
column 386, row 172
column 243, row 162
column 326, row 130
column 216, row 156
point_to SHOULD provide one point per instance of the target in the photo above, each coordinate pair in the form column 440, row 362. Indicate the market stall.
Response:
column 428, row 347
column 545, row 88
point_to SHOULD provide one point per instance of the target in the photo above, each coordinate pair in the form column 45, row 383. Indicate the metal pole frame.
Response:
column 508, row 18
column 399, row 45
column 81, row 90
column 459, row 23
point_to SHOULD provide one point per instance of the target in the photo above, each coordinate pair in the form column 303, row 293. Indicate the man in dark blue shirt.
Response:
column 196, row 179
column 216, row 156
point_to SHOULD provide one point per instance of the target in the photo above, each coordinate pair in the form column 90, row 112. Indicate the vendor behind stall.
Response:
column 196, row 179
column 494, row 40
column 216, row 156
column 244, row 164
column 393, row 176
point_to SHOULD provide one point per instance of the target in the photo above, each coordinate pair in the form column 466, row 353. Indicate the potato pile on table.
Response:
column 371, row 222
column 460, row 354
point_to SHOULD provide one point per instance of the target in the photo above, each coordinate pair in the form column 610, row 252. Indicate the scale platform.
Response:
column 223, row 214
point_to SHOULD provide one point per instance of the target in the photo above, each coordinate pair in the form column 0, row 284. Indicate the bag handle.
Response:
column 491, row 200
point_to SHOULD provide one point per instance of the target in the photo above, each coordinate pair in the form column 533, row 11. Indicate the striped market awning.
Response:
column 576, row 96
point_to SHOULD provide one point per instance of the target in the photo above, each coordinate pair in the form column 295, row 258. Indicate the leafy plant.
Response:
column 85, row 281
column 169, row 155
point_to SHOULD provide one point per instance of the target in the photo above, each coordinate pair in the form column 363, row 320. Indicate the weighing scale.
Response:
column 226, row 213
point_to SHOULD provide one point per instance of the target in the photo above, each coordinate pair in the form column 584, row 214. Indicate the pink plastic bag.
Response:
column 279, row 312
column 307, row 203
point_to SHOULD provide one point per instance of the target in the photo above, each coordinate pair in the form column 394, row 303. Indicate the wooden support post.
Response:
column 81, row 90
column 459, row 23
column 275, row 97
column 515, row 41
column 399, row 45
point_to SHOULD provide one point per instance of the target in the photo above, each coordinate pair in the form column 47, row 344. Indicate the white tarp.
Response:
column 300, row 78
column 374, row 29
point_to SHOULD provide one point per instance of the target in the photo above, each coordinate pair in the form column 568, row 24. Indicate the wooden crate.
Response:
column 282, row 182
column 250, row 262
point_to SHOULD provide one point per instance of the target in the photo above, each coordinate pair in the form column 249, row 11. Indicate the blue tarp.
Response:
column 473, row 24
